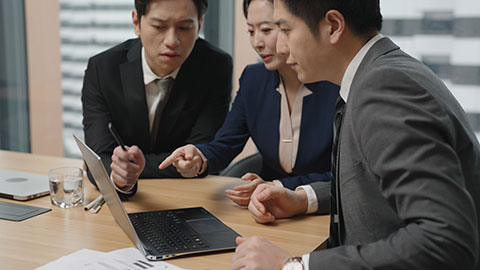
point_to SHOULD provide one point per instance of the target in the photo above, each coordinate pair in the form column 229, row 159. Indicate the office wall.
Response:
column 43, row 60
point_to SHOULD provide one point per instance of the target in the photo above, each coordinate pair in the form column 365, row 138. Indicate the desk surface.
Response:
column 39, row 240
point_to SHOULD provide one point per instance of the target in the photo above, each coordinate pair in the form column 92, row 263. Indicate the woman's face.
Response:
column 263, row 33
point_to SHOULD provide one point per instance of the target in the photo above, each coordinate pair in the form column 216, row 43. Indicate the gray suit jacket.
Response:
column 409, row 172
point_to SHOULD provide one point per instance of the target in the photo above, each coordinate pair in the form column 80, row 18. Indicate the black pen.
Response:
column 116, row 136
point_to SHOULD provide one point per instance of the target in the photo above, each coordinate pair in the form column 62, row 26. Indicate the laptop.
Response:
column 22, row 186
column 161, row 234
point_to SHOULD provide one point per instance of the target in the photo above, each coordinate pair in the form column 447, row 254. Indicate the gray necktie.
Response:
column 164, row 85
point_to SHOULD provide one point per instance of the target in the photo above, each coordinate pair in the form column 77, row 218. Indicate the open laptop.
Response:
column 22, row 186
column 161, row 234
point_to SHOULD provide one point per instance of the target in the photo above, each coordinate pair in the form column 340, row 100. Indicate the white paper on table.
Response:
column 127, row 258
column 65, row 261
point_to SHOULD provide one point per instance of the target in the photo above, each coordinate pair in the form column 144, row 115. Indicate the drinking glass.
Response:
column 66, row 186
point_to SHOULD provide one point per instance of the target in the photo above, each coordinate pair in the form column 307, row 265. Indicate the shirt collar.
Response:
column 303, row 89
column 353, row 66
column 149, row 76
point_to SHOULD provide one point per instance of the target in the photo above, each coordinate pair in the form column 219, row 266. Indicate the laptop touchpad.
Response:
column 206, row 225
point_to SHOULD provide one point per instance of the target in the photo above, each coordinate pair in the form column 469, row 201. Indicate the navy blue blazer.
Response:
column 256, row 113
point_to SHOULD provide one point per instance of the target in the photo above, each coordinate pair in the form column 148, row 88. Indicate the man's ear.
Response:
column 336, row 23
column 136, row 23
column 200, row 22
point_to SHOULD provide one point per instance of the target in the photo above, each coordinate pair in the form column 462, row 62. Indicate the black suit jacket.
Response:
column 113, row 90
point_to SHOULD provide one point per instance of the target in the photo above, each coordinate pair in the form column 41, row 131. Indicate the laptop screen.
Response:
column 108, row 191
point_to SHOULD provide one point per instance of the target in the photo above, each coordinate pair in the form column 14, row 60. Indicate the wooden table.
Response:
column 47, row 237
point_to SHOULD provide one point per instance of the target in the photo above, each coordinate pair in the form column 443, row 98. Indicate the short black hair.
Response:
column 141, row 7
column 363, row 17
column 246, row 4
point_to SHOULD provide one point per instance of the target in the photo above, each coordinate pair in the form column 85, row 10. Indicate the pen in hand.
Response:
column 119, row 141
column 116, row 136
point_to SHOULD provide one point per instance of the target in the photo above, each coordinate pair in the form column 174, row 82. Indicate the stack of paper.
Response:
column 128, row 258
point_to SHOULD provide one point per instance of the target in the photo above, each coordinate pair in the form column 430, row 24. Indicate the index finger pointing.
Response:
column 170, row 159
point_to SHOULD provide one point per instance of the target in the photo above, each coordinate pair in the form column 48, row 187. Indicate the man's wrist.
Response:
column 126, row 189
column 302, row 205
column 121, row 186
column 312, row 202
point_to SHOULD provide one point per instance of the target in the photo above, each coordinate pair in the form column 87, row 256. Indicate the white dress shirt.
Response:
column 152, row 92
column 344, row 91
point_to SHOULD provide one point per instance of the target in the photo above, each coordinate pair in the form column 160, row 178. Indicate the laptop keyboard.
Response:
column 166, row 232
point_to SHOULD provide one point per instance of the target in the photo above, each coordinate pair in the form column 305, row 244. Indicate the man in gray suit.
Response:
column 405, row 191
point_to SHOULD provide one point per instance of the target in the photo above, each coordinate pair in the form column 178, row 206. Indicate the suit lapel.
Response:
column 309, row 109
column 131, row 74
column 381, row 47
column 272, row 106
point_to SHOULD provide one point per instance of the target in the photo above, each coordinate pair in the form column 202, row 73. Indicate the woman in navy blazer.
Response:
column 256, row 113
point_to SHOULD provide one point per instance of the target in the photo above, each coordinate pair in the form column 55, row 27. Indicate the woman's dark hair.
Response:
column 362, row 16
column 141, row 7
column 246, row 3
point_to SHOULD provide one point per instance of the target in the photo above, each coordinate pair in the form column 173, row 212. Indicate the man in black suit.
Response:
column 405, row 186
column 163, row 90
